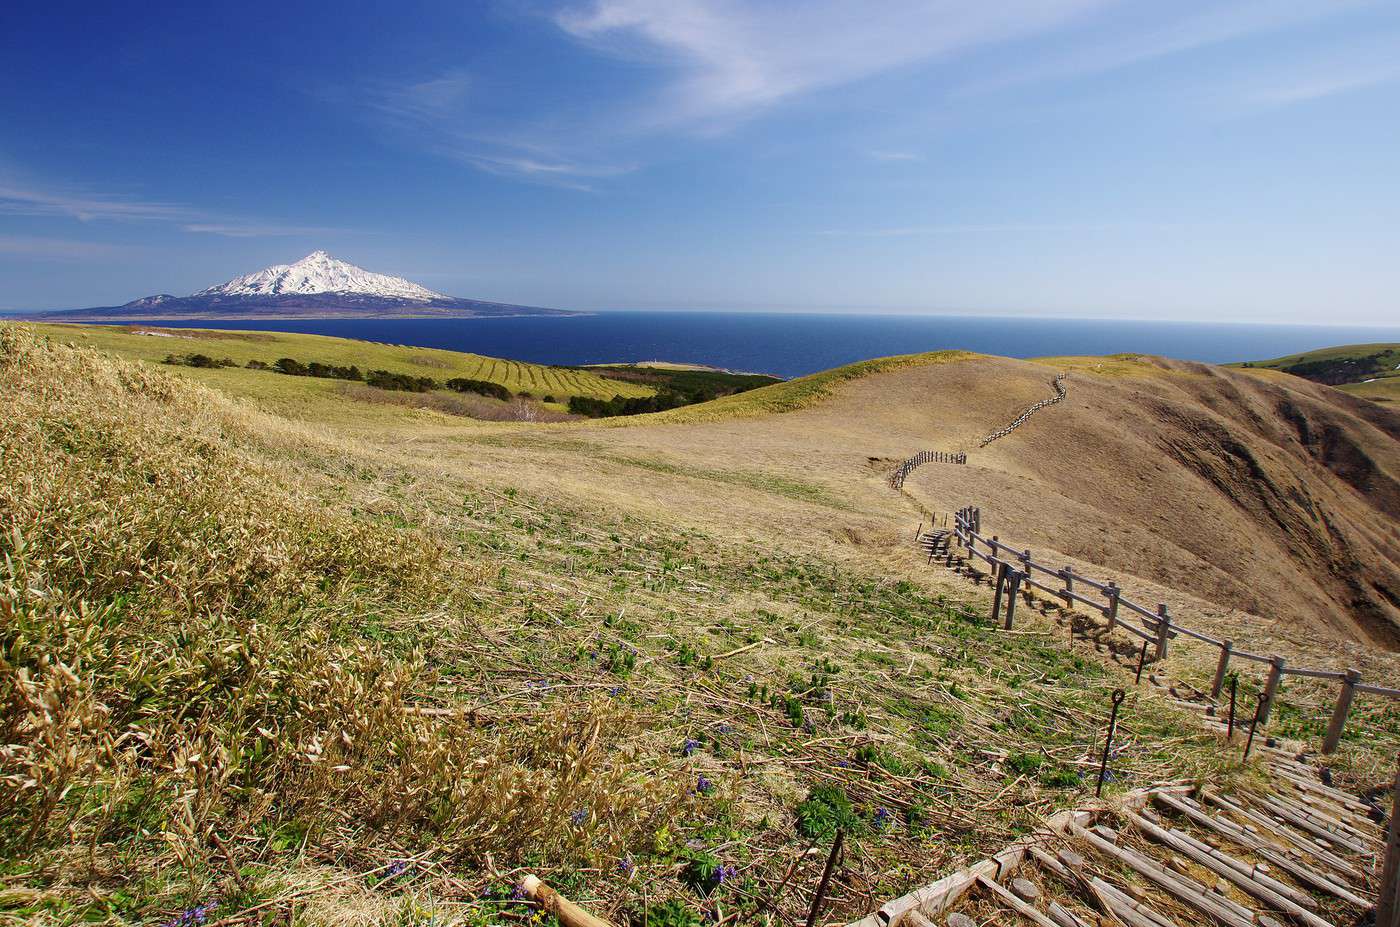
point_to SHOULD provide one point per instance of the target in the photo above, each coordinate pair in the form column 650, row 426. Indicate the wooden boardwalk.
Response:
column 1175, row 854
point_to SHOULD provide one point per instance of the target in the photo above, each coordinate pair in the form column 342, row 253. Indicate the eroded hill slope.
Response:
column 1257, row 491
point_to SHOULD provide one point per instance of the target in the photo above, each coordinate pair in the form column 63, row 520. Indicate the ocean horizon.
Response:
column 792, row 344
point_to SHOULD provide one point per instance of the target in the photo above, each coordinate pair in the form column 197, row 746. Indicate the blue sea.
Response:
column 790, row 344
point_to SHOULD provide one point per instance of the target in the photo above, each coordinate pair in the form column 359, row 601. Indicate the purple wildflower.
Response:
column 724, row 728
column 579, row 817
column 703, row 786
column 843, row 763
column 725, row 873
column 518, row 893
column 615, row 691
column 395, row 869
column 883, row 818
column 193, row 917
column 626, row 866
column 690, row 746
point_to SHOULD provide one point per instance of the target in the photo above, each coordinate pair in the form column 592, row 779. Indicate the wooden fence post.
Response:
column 1226, row 648
column 1339, row 713
column 996, row 597
column 1164, row 631
column 1112, row 611
column 1015, row 578
column 1270, row 689
column 1068, row 575
column 1388, row 904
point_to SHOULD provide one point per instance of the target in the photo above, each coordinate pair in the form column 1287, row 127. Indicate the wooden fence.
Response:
column 1058, row 384
column 1015, row 570
column 921, row 458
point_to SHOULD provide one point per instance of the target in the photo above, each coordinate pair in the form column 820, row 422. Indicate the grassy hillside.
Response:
column 246, row 664
column 803, row 392
column 152, row 343
column 332, row 674
column 1368, row 370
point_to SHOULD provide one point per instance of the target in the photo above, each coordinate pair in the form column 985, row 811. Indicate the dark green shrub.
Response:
column 480, row 387
column 825, row 810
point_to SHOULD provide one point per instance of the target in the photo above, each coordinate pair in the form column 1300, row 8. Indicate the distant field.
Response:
column 243, row 346
column 1386, row 389
column 692, row 380
column 1368, row 370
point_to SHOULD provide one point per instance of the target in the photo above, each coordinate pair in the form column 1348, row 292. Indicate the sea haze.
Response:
column 790, row 344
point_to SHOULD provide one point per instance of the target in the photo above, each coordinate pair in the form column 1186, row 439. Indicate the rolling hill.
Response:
column 1371, row 371
column 271, row 652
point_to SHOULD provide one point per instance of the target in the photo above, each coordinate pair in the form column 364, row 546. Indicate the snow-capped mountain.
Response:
column 318, row 272
column 318, row 286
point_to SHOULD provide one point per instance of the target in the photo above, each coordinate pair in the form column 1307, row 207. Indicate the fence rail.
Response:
column 1058, row 384
column 1012, row 568
column 921, row 458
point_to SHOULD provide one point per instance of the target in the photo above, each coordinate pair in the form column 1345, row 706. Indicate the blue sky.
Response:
column 1231, row 159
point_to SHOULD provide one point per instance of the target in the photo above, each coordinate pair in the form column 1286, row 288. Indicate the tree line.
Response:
column 380, row 379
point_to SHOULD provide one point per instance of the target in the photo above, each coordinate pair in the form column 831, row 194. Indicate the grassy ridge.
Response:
column 803, row 392
column 242, row 347
column 1368, row 370
column 244, row 663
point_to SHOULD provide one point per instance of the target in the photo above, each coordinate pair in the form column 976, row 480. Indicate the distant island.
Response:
column 316, row 287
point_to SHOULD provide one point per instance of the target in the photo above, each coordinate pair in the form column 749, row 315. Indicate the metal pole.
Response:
column 1142, row 658
column 1234, row 685
column 1253, row 725
column 1118, row 696
column 826, row 877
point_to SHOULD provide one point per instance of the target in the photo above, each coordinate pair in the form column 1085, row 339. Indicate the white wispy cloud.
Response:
column 257, row 230
column 1306, row 88
column 1166, row 30
column 434, row 114
column 27, row 200
column 704, row 67
column 735, row 58
column 19, row 198
column 62, row 249
column 437, row 97
column 992, row 228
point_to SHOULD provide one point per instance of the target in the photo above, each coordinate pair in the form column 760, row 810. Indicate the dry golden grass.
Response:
column 190, row 658
column 472, row 638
